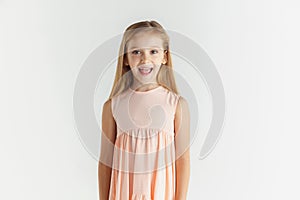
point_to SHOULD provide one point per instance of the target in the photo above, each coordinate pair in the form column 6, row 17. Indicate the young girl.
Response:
column 145, row 123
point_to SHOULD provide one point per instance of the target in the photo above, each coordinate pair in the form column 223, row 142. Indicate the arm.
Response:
column 182, row 143
column 106, row 153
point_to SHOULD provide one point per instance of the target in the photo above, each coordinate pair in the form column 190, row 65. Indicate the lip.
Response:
column 145, row 68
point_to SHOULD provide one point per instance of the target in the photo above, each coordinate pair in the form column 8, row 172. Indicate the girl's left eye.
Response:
column 154, row 51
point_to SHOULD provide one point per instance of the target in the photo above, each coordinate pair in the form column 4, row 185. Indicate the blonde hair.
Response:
column 165, row 76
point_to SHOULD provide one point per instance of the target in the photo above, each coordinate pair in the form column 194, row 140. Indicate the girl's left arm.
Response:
column 182, row 150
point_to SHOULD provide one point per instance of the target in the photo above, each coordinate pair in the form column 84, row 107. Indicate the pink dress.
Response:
column 144, row 152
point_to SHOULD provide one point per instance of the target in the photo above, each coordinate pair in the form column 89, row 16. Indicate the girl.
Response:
column 145, row 123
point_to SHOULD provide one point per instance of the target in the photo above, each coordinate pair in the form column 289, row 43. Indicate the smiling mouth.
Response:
column 145, row 71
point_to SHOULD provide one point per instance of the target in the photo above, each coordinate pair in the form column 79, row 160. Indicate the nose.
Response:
column 145, row 57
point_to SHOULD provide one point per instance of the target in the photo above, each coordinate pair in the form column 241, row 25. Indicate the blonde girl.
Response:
column 144, row 151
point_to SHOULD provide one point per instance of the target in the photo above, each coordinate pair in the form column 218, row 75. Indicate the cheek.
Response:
column 134, row 62
column 134, row 69
column 159, row 59
column 156, row 68
column 134, row 57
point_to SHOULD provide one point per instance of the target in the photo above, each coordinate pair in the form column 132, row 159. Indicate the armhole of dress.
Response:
column 175, row 109
column 176, row 103
column 112, row 106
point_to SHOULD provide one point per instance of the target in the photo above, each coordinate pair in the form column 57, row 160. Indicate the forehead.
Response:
column 145, row 40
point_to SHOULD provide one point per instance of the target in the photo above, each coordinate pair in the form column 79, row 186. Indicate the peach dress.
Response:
column 144, row 152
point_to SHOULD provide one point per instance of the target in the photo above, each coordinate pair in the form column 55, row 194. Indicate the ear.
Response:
column 125, row 61
column 165, row 59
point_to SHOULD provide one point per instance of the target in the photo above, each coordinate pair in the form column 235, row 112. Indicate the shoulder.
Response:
column 172, row 97
column 107, row 108
column 182, row 100
column 182, row 109
column 107, row 105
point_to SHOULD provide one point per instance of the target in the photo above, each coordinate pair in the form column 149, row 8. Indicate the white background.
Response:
column 254, row 44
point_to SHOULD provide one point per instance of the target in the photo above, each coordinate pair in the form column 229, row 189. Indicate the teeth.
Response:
column 145, row 70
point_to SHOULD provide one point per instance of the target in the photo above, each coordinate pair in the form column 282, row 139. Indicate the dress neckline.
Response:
column 145, row 92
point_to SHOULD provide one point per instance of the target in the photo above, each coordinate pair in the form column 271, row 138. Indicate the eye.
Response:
column 154, row 51
column 135, row 52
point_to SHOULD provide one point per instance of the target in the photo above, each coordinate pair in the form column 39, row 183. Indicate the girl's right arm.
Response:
column 106, row 153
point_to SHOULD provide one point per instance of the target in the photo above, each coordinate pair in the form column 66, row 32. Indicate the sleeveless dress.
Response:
column 144, row 153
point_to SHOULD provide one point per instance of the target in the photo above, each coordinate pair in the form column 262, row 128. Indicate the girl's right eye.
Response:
column 135, row 52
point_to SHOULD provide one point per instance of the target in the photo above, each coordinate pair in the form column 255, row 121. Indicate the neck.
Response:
column 144, row 87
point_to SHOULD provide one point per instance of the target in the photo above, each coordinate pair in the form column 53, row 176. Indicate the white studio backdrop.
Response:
column 254, row 45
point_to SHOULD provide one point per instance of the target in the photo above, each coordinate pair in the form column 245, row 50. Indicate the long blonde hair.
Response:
column 124, row 76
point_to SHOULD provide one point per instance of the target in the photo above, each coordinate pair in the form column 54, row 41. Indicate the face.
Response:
column 145, row 54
